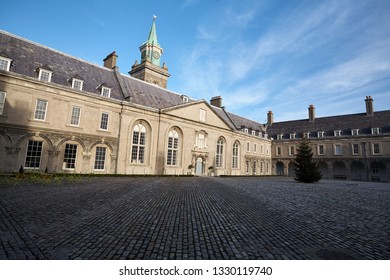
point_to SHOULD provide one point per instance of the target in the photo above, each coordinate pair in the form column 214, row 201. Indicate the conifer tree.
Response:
column 306, row 170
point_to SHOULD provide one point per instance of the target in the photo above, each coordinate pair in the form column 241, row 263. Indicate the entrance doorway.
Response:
column 199, row 166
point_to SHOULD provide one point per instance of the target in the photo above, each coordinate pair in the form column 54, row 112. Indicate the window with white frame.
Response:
column 278, row 151
column 201, row 140
column 202, row 115
column 355, row 149
column 292, row 135
column 291, row 150
column 321, row 149
column 75, row 116
column 253, row 133
column 33, row 154
column 279, row 136
column 100, row 158
column 235, row 155
column 138, row 144
column 320, row 134
column 173, row 147
column 338, row 149
column 354, row 132
column 106, row 92
column 248, row 147
column 5, row 63
column 45, row 75
column 261, row 167
column 376, row 149
column 337, row 133
column 254, row 167
column 70, row 156
column 104, row 121
column 255, row 148
column 262, row 149
column 2, row 101
column 219, row 153
column 375, row 130
column 77, row 84
column 306, row 134
column 40, row 110
column 247, row 166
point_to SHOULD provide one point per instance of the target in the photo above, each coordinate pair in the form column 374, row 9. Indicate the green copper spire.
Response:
column 152, row 39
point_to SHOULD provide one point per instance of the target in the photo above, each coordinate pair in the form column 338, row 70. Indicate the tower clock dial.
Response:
column 156, row 55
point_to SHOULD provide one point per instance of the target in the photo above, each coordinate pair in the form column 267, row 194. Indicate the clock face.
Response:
column 156, row 55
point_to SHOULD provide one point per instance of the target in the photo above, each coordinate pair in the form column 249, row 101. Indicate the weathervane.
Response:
column 154, row 17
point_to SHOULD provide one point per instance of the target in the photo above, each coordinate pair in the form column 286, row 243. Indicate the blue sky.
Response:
column 259, row 55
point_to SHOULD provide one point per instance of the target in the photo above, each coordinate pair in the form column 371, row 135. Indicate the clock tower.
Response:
column 149, row 69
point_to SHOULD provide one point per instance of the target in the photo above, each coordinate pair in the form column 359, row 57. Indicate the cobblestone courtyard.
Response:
column 195, row 218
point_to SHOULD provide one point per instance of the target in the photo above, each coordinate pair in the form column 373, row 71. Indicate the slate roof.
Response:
column 345, row 123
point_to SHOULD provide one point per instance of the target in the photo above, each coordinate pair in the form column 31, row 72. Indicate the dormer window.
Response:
column 5, row 63
column 337, row 133
column 184, row 98
column 77, row 84
column 253, row 132
column 355, row 132
column 44, row 75
column 106, row 92
column 279, row 136
column 320, row 134
column 292, row 135
column 306, row 134
column 375, row 130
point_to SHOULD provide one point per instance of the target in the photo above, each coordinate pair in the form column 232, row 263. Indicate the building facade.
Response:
column 61, row 114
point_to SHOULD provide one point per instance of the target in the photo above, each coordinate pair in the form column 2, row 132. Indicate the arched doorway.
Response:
column 279, row 168
column 199, row 166
column 291, row 169
column 339, row 170
column 323, row 167
column 358, row 171
column 378, row 171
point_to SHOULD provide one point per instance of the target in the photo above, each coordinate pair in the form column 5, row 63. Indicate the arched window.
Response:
column 235, row 155
column 173, row 147
column 219, row 154
column 138, row 144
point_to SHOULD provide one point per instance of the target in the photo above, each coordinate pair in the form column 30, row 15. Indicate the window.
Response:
column 306, row 134
column 337, row 133
column 34, row 153
column 261, row 149
column 278, row 151
column 2, row 101
column 100, row 158
column 75, row 117
column 5, row 63
column 376, row 149
column 255, row 148
column 40, row 110
column 106, row 92
column 261, row 167
column 320, row 134
column 201, row 140
column 139, row 144
column 104, row 121
column 338, row 151
column 173, row 146
column 247, row 166
column 291, row 150
column 279, row 137
column 44, row 75
column 355, row 149
column 202, row 115
column 246, row 131
column 219, row 153
column 254, row 168
column 77, row 84
column 355, row 132
column 375, row 130
column 253, row 132
column 321, row 149
column 70, row 156
column 235, row 155
column 248, row 147
column 292, row 136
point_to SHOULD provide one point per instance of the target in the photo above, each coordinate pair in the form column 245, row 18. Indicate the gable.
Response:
column 192, row 111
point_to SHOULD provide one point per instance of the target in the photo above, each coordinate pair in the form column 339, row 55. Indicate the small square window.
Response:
column 45, row 75
column 5, row 63
column 77, row 84
column 106, row 92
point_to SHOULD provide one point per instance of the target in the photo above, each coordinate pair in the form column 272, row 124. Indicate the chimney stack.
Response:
column 312, row 113
column 216, row 101
column 369, row 106
column 110, row 60
column 270, row 118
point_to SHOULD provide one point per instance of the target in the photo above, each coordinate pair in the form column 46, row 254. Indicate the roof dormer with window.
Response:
column 5, row 63
column 44, row 74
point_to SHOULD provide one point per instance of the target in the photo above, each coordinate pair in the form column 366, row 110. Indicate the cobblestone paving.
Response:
column 195, row 218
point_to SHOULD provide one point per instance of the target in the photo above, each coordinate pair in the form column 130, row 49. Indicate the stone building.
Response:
column 66, row 115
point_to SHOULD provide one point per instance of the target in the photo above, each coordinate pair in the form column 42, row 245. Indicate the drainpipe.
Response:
column 119, row 138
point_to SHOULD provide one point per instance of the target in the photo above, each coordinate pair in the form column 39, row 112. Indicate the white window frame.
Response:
column 279, row 136
column 354, row 132
column 39, row 110
column 292, row 150
column 353, row 145
column 376, row 149
column 375, row 131
column 278, row 150
column 338, row 149
column 5, row 63
column 138, row 146
column 292, row 135
column 320, row 134
column 319, row 149
column 337, row 133
column 32, row 155
column 173, row 148
column 77, row 84
column 104, row 123
column 202, row 115
column 105, row 92
column 3, row 96
column 43, row 73
column 70, row 158
column 219, row 155
column 235, row 155
column 306, row 135
column 99, row 160
column 74, row 116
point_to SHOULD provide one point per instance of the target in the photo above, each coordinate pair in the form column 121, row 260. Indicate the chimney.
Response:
column 312, row 113
column 110, row 60
column 369, row 106
column 270, row 118
column 216, row 101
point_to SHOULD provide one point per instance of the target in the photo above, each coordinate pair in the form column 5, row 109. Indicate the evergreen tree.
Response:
column 306, row 170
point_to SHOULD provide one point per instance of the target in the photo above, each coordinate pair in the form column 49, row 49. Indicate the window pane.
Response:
column 70, row 156
column 100, row 158
column 34, row 153
column 40, row 110
column 104, row 121
column 75, row 118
